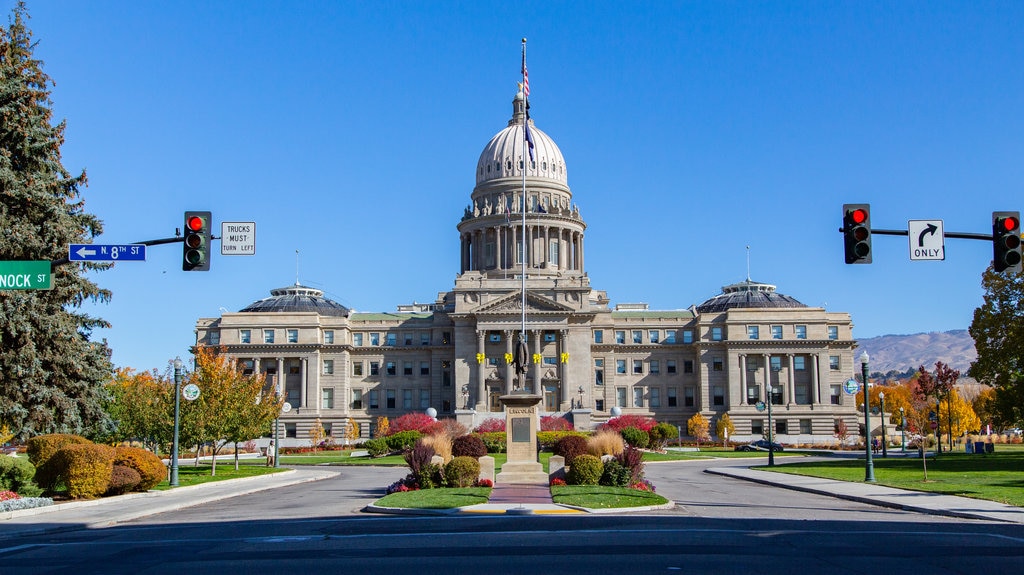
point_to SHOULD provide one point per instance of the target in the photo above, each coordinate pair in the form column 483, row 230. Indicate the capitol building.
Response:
column 730, row 354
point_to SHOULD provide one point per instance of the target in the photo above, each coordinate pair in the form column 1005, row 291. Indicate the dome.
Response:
column 502, row 155
column 748, row 294
column 297, row 298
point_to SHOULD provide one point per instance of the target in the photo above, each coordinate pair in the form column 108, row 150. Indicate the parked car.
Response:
column 759, row 445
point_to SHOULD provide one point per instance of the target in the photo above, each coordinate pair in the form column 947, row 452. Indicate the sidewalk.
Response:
column 874, row 494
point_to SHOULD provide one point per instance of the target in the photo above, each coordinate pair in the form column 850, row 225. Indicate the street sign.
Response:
column 107, row 252
column 190, row 392
column 23, row 275
column 851, row 387
column 927, row 241
column 238, row 238
column 935, row 425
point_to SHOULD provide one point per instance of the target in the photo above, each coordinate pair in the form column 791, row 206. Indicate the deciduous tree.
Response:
column 698, row 427
column 998, row 330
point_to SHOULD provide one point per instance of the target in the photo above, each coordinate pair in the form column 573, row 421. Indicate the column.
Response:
column 563, row 371
column 791, row 383
column 510, row 372
column 302, row 383
column 537, row 384
column 317, row 370
column 481, row 402
column 743, row 378
column 581, row 252
column 767, row 377
column 280, row 383
column 815, row 392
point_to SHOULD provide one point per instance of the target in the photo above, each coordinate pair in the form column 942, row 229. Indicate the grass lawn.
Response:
column 996, row 477
column 443, row 498
column 192, row 475
column 603, row 497
column 710, row 453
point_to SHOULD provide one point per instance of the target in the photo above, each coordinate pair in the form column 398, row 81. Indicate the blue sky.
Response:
column 350, row 132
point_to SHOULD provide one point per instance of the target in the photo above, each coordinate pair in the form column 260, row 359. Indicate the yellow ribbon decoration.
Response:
column 536, row 358
column 480, row 358
column 565, row 357
column 508, row 358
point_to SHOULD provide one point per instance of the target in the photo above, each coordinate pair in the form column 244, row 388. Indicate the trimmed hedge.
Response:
column 461, row 472
column 636, row 437
column 150, row 468
column 548, row 438
column 42, row 447
column 402, row 440
column 585, row 470
column 496, row 441
column 122, row 480
column 16, row 475
column 570, row 447
column 84, row 469
column 469, row 446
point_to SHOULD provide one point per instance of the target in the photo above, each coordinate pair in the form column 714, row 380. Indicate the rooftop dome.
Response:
column 748, row 294
column 297, row 298
column 502, row 156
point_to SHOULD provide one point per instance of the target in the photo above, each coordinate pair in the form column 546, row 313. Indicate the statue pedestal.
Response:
column 521, row 423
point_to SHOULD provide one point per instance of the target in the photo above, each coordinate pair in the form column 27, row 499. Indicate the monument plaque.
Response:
column 520, row 429
column 521, row 422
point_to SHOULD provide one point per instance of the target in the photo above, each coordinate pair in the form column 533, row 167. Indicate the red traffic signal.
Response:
column 857, row 233
column 195, row 255
column 1006, row 248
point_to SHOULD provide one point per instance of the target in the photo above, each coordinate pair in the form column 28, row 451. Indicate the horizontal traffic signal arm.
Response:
column 176, row 240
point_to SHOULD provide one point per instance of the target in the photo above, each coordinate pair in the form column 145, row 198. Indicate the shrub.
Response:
column 429, row 476
column 461, row 472
column 636, row 437
column 552, row 423
column 85, row 469
column 570, row 447
column 469, row 446
column 615, row 474
column 490, row 425
column 441, row 444
column 419, row 456
column 661, row 433
column 495, row 441
column 150, row 468
column 585, row 470
column 377, row 447
column 640, row 422
column 484, row 483
column 42, row 447
column 633, row 460
column 447, row 427
column 24, row 503
column 557, row 481
column 122, row 480
column 402, row 440
column 548, row 438
column 413, row 421
column 16, row 475
column 605, row 442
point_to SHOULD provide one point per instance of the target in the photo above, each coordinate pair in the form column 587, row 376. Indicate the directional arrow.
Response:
column 931, row 229
column 82, row 252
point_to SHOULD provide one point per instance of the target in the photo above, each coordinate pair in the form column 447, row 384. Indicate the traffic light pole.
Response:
column 956, row 235
column 175, row 240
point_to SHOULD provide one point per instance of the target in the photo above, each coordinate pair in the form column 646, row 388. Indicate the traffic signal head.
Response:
column 1006, row 249
column 195, row 255
column 857, row 233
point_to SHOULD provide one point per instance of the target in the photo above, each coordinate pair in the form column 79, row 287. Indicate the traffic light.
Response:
column 857, row 233
column 195, row 255
column 1006, row 251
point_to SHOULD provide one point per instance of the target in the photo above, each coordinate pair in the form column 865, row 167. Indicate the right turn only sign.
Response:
column 926, row 240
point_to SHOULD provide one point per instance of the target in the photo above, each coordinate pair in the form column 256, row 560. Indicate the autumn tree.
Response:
column 962, row 418
column 725, row 428
column 998, row 330
column 316, row 434
column 947, row 377
column 51, row 371
column 141, row 407
column 698, row 427
column 930, row 386
column 351, row 431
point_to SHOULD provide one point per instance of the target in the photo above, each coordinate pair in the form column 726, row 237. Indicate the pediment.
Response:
column 513, row 304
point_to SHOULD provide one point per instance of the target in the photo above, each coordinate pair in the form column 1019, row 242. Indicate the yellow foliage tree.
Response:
column 141, row 404
column 381, row 429
column 698, row 426
column 316, row 434
column 962, row 418
column 351, row 431
column 725, row 428
column 5, row 434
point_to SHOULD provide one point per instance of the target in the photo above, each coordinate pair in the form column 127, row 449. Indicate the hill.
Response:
column 902, row 352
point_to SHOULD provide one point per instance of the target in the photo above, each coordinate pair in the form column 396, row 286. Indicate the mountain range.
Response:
column 902, row 352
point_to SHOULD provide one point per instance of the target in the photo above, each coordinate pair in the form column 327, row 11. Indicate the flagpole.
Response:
column 526, row 90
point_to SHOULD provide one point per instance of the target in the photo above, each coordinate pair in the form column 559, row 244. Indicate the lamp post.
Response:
column 903, row 430
column 881, row 397
column 177, row 411
column 771, row 429
column 869, row 465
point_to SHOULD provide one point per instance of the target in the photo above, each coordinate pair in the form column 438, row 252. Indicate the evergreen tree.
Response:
column 51, row 373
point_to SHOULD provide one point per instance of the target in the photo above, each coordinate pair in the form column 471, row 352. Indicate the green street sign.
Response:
column 25, row 275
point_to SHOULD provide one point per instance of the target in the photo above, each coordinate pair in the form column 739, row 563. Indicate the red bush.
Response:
column 640, row 422
column 552, row 423
column 414, row 421
column 491, row 425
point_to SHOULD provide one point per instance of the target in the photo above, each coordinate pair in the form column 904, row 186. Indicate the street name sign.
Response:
column 107, row 253
column 238, row 238
column 25, row 275
column 927, row 241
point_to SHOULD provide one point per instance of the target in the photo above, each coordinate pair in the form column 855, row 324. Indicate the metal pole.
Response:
column 869, row 465
column 885, row 451
column 903, row 430
column 177, row 415
column 771, row 430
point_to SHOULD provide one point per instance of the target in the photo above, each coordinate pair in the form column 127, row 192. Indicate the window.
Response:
column 716, row 334
column 805, row 426
column 328, row 336
column 753, row 332
column 494, row 337
column 446, row 405
column 654, row 367
column 654, row 396
column 406, row 399
column 268, row 336
column 374, row 368
column 780, row 426
column 327, row 399
column 718, row 395
column 638, row 336
column 670, row 365
column 670, row 336
column 753, row 393
column 391, row 339
column 290, row 431
column 751, row 364
column 620, row 337
column 775, row 362
column 328, row 428
column 638, row 397
column 553, row 252
column 446, row 337
column 687, row 336
column 833, row 332
column 716, row 364
column 638, row 367
column 599, row 404
column 407, row 368
column 776, row 332
column 357, row 339
column 293, row 336
column 598, row 372
column 357, row 399
column 328, row 367
column 424, row 368
column 550, row 360
column 424, row 398
column 801, row 332
column 620, row 396
column 549, row 336
column 214, row 337
column 799, row 363
column 407, row 338
column 357, row 368
column 598, row 336
column 654, row 336
column 389, row 399
column 245, row 336
column 837, row 395
column 757, row 426
column 833, row 362
column 390, row 368
column 688, row 396
column 776, row 391
column 247, row 367
column 374, row 339
column 620, row 366
column 672, row 399
column 374, row 402
column 687, row 366
column 424, row 339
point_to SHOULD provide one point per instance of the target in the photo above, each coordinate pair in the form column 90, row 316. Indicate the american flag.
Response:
column 526, row 77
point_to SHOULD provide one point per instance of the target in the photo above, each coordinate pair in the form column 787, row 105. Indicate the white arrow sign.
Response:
column 82, row 252
column 927, row 241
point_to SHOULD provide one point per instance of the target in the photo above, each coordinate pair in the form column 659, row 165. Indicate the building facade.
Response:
column 730, row 354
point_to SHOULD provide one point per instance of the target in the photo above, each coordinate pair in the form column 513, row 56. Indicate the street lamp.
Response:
column 881, row 397
column 869, row 465
column 771, row 429
column 177, row 417
column 903, row 430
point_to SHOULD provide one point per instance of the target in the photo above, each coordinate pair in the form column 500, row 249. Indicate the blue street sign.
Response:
column 106, row 253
